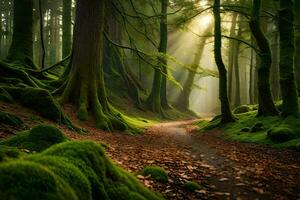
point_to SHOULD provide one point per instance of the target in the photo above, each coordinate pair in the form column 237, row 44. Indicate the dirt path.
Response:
column 226, row 170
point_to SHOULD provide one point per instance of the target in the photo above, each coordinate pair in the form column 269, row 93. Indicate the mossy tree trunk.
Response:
column 226, row 114
column 158, row 96
column 86, row 80
column 297, row 44
column 265, row 100
column 183, row 101
column 286, row 65
column 67, row 28
column 21, row 48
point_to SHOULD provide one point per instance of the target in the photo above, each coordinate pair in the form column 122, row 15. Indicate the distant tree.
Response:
column 226, row 114
column 67, row 25
column 287, row 77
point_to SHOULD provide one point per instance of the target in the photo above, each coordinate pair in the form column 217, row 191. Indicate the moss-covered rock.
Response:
column 106, row 179
column 156, row 172
column 28, row 180
column 191, row 186
column 10, row 119
column 68, row 172
column 246, row 129
column 242, row 109
column 259, row 126
column 36, row 139
column 281, row 134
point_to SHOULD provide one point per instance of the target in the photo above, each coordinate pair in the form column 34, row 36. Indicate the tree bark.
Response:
column 287, row 49
column 226, row 114
column 21, row 48
column 265, row 100
column 67, row 28
column 86, row 80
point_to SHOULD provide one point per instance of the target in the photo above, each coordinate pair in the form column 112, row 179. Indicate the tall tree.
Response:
column 287, row 78
column 67, row 28
column 297, row 44
column 183, row 101
column 21, row 48
column 85, row 85
column 265, row 100
column 158, row 96
column 226, row 114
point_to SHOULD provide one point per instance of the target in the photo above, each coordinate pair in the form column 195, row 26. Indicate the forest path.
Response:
column 224, row 169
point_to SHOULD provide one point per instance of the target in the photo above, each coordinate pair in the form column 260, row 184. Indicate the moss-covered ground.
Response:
column 274, row 131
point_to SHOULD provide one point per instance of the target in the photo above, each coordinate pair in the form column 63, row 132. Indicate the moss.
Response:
column 68, row 172
column 242, row 109
column 191, row 186
column 234, row 131
column 8, row 152
column 281, row 134
column 9, row 119
column 157, row 173
column 28, row 180
column 36, row 139
column 105, row 178
column 5, row 96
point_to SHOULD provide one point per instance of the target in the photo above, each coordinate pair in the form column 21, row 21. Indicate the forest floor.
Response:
column 224, row 169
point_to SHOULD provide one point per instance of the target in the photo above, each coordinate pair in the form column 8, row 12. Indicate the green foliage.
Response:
column 28, row 180
column 242, row 109
column 9, row 119
column 36, row 139
column 191, row 186
column 281, row 134
column 157, row 173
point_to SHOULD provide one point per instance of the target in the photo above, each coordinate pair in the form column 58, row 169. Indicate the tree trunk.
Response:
column 265, row 100
column 251, row 75
column 287, row 49
column 86, row 79
column 231, row 55
column 21, row 48
column 226, row 114
column 237, row 95
column 183, row 101
column 158, row 95
column 163, row 50
column 67, row 28
column 297, row 44
column 275, row 84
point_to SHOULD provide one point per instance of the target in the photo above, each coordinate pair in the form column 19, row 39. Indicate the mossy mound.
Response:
column 36, row 139
column 68, row 172
column 107, row 181
column 9, row 119
column 8, row 152
column 242, row 109
column 157, row 173
column 27, row 180
column 191, row 186
column 281, row 134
